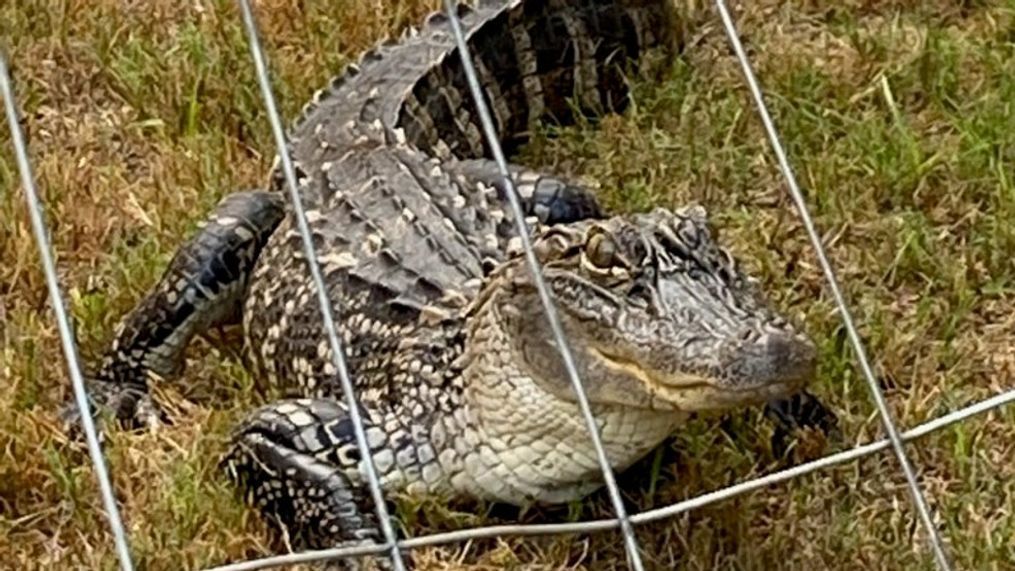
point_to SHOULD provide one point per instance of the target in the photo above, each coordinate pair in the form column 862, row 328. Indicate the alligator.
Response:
column 460, row 383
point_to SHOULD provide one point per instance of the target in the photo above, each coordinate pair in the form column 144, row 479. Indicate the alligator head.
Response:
column 656, row 313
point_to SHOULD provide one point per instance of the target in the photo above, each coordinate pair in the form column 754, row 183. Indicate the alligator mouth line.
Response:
column 651, row 378
column 684, row 381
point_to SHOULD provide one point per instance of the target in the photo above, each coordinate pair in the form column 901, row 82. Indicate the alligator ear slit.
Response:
column 601, row 250
column 488, row 265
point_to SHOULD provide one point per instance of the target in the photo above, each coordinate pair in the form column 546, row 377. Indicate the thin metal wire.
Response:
column 671, row 510
column 830, row 460
column 62, row 320
column 490, row 132
column 847, row 319
column 322, row 292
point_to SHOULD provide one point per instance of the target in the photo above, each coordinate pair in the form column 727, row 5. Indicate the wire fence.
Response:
column 70, row 351
column 391, row 546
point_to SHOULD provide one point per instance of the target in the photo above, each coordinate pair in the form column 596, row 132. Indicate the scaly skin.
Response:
column 460, row 384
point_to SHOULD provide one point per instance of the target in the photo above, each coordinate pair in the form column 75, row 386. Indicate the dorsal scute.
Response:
column 462, row 10
column 415, row 88
column 374, row 55
column 386, row 73
column 336, row 83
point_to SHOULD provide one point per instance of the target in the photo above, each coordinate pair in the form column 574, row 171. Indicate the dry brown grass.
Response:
column 141, row 115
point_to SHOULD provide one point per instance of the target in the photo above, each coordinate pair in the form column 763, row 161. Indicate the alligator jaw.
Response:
column 651, row 378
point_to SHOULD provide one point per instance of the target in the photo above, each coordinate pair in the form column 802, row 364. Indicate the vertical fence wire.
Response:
column 70, row 352
column 368, row 466
column 847, row 319
column 490, row 133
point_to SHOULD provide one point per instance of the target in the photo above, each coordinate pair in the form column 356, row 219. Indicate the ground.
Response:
column 898, row 119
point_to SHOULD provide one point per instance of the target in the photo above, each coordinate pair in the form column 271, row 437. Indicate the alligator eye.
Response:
column 601, row 250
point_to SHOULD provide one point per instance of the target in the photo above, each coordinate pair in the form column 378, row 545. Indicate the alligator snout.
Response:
column 753, row 360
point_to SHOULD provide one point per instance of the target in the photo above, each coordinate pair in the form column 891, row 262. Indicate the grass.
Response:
column 897, row 116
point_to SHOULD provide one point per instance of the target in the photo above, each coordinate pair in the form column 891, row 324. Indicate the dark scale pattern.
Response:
column 305, row 491
column 456, row 373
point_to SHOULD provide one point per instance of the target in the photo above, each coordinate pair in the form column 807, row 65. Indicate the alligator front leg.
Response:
column 297, row 462
column 202, row 288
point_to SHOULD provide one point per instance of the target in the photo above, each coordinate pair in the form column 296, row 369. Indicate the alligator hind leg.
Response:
column 202, row 288
column 296, row 460
column 551, row 199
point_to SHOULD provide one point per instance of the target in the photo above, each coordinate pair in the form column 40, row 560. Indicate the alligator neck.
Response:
column 519, row 443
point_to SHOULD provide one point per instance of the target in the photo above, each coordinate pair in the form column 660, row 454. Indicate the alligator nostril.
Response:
column 760, row 359
column 789, row 355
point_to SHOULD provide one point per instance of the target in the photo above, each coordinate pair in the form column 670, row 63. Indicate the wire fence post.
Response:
column 368, row 466
column 70, row 352
column 847, row 319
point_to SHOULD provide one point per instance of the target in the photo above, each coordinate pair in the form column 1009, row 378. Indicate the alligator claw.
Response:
column 800, row 412
column 132, row 407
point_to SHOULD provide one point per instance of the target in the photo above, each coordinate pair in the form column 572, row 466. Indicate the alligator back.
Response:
column 402, row 236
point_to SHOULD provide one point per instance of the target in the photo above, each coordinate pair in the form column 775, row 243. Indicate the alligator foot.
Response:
column 131, row 406
column 294, row 461
column 800, row 412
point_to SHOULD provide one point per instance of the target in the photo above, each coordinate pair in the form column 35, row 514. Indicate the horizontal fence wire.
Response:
column 70, row 352
column 591, row 526
column 323, row 299
column 887, row 421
